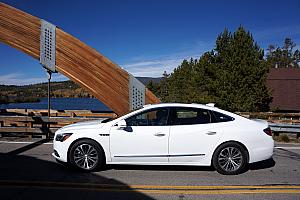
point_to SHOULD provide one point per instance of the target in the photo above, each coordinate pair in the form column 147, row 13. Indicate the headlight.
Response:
column 62, row 136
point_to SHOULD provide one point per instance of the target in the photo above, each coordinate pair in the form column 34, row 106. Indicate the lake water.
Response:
column 61, row 104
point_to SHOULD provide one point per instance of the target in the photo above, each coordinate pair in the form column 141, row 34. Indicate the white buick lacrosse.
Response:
column 167, row 134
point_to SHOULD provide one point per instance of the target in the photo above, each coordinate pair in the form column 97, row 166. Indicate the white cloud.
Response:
column 142, row 65
column 18, row 79
column 153, row 68
column 156, row 65
column 59, row 77
column 22, row 79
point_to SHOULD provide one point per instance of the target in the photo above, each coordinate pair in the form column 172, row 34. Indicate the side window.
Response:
column 154, row 117
column 188, row 116
column 219, row 117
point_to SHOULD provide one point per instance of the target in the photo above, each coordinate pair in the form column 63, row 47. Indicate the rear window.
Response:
column 220, row 117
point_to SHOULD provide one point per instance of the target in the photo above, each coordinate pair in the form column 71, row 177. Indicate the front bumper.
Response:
column 60, row 151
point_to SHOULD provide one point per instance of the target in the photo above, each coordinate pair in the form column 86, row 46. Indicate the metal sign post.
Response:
column 48, row 57
column 49, row 74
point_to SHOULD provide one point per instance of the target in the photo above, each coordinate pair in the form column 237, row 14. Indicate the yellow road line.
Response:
column 199, row 192
column 159, row 189
column 176, row 192
column 216, row 187
column 185, row 187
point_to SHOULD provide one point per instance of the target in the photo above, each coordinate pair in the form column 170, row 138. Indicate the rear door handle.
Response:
column 211, row 133
column 159, row 134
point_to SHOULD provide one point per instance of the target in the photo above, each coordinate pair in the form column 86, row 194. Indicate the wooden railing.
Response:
column 279, row 122
column 56, row 113
column 278, row 118
column 31, row 122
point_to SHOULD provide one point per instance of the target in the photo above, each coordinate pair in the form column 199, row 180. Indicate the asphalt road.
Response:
column 28, row 171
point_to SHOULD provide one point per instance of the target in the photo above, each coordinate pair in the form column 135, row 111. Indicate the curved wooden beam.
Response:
column 82, row 64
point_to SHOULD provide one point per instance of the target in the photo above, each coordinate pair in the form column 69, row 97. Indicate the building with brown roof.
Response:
column 284, row 84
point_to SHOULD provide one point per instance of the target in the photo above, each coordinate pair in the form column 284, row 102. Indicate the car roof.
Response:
column 191, row 105
column 195, row 105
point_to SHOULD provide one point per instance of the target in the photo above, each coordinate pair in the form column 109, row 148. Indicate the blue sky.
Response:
column 146, row 37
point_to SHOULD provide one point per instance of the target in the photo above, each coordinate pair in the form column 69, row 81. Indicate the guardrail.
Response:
column 279, row 122
column 285, row 128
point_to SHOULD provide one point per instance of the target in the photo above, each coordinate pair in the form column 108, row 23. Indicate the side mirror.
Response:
column 122, row 124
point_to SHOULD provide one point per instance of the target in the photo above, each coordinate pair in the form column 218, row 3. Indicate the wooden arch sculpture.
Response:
column 109, row 83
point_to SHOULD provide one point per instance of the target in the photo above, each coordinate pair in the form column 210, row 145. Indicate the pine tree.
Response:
column 180, row 83
column 285, row 56
column 155, row 88
column 233, row 75
column 242, row 73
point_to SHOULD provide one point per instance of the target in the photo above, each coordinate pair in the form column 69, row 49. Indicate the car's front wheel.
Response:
column 230, row 159
column 86, row 155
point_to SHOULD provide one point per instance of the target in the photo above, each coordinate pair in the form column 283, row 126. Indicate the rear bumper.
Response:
column 263, row 152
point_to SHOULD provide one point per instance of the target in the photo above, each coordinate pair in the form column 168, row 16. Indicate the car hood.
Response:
column 82, row 125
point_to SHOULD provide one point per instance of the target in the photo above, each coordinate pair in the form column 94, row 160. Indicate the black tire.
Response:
column 230, row 159
column 87, row 155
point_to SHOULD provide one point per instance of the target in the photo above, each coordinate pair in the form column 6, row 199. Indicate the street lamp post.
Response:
column 49, row 74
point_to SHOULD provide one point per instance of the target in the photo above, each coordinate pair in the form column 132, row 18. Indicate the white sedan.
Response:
column 167, row 134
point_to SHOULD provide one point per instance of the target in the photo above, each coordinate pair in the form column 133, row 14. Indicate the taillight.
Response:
column 268, row 131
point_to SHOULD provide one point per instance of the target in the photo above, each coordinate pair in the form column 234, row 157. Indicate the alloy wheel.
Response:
column 230, row 159
column 85, row 156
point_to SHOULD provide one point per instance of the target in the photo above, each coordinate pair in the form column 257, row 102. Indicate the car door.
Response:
column 192, row 135
column 145, row 138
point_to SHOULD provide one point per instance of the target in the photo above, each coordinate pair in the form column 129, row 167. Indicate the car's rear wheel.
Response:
column 230, row 159
column 86, row 155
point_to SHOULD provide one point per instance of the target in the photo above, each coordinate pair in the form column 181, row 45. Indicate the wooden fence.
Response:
column 36, row 122
column 32, row 122
column 56, row 113
column 277, row 118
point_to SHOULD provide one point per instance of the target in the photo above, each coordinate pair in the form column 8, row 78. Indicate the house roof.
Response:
column 284, row 84
column 284, row 74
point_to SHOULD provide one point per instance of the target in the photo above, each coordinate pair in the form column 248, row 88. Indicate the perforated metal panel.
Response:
column 47, row 45
column 136, row 93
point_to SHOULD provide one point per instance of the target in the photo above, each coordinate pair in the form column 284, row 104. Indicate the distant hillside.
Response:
column 29, row 93
column 146, row 80
column 58, row 89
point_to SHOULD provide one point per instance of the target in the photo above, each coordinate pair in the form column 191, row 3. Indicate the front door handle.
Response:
column 211, row 133
column 159, row 134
